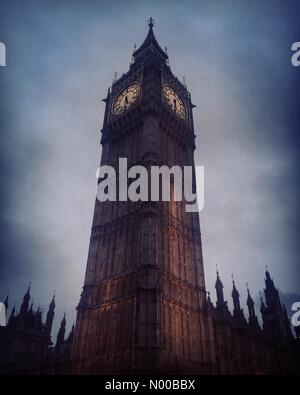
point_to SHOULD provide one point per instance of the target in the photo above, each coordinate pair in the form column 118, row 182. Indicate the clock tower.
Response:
column 143, row 307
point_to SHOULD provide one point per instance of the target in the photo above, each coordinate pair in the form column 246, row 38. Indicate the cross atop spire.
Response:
column 151, row 22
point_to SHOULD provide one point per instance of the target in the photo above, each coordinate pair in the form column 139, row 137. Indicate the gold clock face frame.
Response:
column 174, row 101
column 126, row 98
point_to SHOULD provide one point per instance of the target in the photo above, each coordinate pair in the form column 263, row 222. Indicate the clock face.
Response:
column 174, row 101
column 126, row 98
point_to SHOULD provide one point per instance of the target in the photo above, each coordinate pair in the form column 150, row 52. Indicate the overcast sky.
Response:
column 61, row 58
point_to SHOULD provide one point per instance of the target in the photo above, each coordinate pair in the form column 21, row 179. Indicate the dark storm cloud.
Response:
column 61, row 57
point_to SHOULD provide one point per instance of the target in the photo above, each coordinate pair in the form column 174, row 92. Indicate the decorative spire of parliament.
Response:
column 150, row 45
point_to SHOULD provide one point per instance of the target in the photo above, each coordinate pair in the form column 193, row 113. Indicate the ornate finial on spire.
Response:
column 267, row 267
column 218, row 277
column 268, row 277
column 232, row 278
column 184, row 81
column 151, row 22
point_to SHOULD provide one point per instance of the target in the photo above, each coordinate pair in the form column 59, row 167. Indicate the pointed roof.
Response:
column 268, row 280
column 150, row 41
column 253, row 321
column 250, row 301
column 63, row 321
column 271, row 293
column 268, row 277
column 26, row 299
column 52, row 304
column 218, row 281
column 235, row 292
column 219, row 290
column 27, row 294
column 61, row 332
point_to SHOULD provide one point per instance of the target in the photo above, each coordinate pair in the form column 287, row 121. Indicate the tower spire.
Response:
column 61, row 332
column 235, row 297
column 26, row 299
column 253, row 321
column 219, row 290
column 50, row 316
column 150, row 46
column 250, row 301
column 271, row 292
